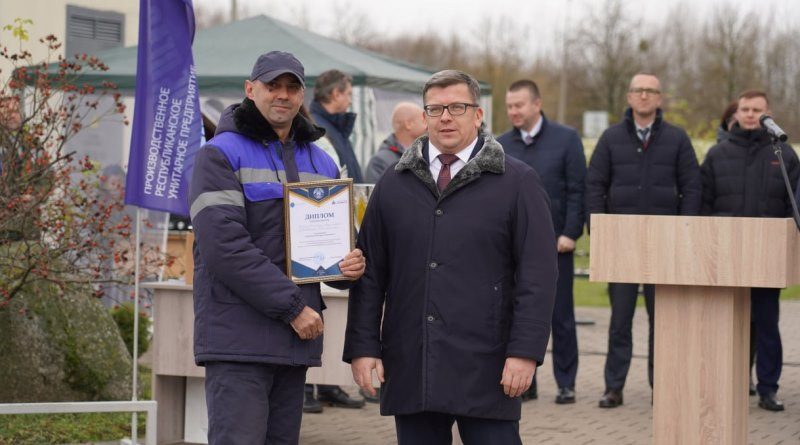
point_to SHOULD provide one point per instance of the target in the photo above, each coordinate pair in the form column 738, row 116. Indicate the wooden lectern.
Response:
column 703, row 268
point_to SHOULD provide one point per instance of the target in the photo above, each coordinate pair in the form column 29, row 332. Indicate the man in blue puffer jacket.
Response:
column 256, row 332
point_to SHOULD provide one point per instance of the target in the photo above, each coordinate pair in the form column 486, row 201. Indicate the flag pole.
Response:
column 135, row 353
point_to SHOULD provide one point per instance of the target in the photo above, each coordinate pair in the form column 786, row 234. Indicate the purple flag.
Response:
column 166, row 117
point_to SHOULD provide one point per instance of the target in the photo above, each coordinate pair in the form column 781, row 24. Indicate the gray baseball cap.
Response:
column 275, row 63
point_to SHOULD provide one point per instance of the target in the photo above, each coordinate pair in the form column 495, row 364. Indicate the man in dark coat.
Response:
column 556, row 153
column 742, row 177
column 256, row 332
column 641, row 166
column 408, row 125
column 333, row 94
column 454, row 310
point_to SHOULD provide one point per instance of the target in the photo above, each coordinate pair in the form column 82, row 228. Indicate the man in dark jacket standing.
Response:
column 256, row 332
column 333, row 94
column 408, row 125
column 453, row 312
column 556, row 153
column 742, row 177
column 641, row 166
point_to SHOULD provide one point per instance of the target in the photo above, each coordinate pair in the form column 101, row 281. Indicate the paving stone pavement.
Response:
column 544, row 422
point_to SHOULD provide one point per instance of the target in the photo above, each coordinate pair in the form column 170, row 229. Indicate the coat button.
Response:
column 439, row 212
column 431, row 318
column 433, row 265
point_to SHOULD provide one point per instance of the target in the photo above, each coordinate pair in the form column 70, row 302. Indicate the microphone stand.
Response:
column 776, row 147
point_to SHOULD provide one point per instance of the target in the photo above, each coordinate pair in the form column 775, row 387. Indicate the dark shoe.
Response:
column 311, row 405
column 752, row 388
column 531, row 393
column 370, row 398
column 337, row 397
column 770, row 402
column 565, row 395
column 611, row 399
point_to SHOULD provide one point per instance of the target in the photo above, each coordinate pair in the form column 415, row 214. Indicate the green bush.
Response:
column 123, row 315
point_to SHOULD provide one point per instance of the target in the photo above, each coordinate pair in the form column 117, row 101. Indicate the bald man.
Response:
column 408, row 125
column 641, row 166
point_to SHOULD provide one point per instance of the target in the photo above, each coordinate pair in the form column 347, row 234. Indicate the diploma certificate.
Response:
column 319, row 229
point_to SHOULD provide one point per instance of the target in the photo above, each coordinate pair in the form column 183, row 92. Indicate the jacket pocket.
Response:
column 501, row 314
column 263, row 191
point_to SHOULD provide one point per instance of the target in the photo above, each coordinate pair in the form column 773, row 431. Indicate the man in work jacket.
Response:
column 256, row 332
column 462, row 270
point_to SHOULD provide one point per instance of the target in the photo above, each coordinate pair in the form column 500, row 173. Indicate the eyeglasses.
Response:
column 646, row 91
column 455, row 109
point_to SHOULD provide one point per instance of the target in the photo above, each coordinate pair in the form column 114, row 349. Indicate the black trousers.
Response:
column 620, row 342
column 437, row 429
column 565, row 338
column 252, row 403
column 765, row 313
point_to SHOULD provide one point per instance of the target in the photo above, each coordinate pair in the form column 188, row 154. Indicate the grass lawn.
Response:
column 72, row 428
column 596, row 294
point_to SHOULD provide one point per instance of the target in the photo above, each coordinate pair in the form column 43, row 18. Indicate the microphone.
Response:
column 772, row 128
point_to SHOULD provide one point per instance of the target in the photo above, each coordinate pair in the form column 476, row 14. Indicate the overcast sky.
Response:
column 543, row 19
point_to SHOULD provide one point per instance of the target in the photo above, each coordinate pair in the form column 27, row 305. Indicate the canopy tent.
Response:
column 224, row 57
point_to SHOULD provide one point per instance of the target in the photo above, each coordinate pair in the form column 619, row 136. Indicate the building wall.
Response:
column 102, row 141
column 50, row 17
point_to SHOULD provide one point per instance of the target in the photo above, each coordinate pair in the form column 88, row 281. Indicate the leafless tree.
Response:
column 611, row 53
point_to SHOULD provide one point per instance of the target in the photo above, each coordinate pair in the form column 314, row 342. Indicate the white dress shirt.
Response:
column 639, row 131
column 436, row 165
column 534, row 131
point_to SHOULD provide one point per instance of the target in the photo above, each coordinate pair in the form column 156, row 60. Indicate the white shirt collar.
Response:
column 536, row 129
column 463, row 155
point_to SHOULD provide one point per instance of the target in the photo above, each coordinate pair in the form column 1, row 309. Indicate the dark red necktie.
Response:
column 444, row 173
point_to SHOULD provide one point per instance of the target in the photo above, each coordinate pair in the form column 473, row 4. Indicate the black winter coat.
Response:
column 463, row 280
column 626, row 177
column 742, row 176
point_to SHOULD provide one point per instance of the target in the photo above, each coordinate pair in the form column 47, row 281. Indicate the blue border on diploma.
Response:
column 318, row 193
column 303, row 271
